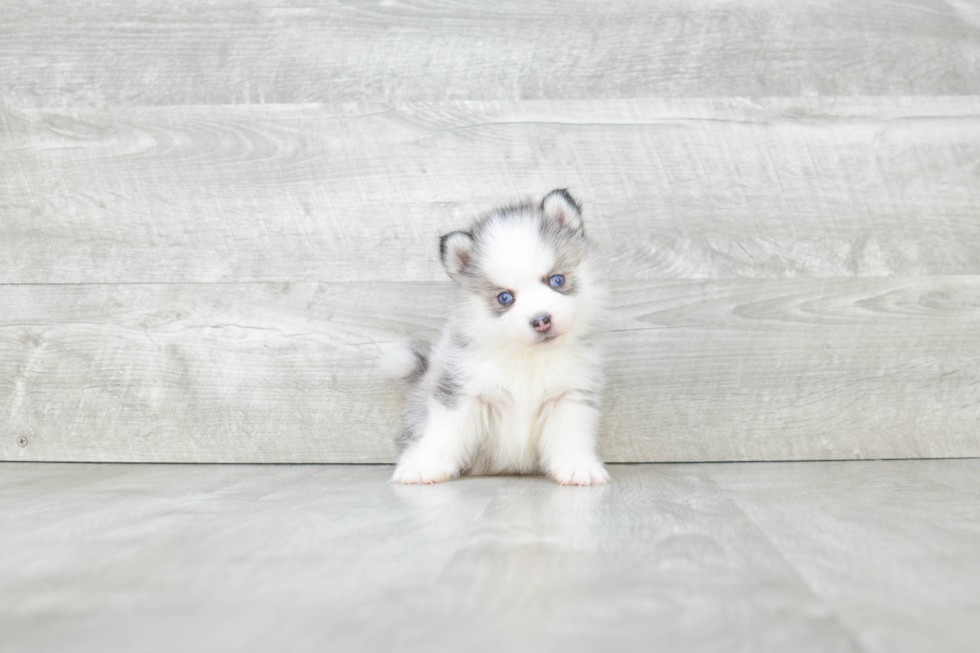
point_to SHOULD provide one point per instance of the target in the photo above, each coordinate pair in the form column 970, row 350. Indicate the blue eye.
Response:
column 505, row 298
column 557, row 281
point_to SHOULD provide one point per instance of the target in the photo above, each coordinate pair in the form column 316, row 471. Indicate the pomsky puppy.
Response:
column 513, row 384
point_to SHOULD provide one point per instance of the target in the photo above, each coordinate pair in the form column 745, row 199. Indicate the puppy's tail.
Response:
column 404, row 363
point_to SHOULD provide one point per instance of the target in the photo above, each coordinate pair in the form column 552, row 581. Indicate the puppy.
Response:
column 513, row 384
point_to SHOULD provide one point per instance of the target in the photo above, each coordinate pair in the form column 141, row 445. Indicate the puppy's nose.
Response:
column 542, row 323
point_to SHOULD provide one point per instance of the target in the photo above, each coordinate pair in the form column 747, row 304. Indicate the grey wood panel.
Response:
column 86, row 53
column 699, row 188
column 876, row 557
column 699, row 370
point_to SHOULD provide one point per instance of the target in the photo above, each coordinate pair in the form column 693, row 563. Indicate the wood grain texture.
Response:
column 893, row 514
column 699, row 370
column 87, row 53
column 673, row 189
column 869, row 557
column 211, row 214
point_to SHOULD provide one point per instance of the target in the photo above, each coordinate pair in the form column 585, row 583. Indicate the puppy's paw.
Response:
column 411, row 472
column 587, row 473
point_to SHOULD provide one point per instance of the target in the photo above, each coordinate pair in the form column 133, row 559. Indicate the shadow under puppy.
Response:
column 514, row 383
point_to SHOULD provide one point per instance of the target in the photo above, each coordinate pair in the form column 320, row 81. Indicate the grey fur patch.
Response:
column 485, row 222
column 473, row 282
column 496, row 308
column 414, row 413
column 570, row 286
column 405, row 438
column 570, row 248
column 447, row 389
column 421, row 351
column 591, row 398
column 415, row 416
column 568, row 244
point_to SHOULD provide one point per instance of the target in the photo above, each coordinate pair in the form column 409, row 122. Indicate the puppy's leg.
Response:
column 568, row 442
column 447, row 444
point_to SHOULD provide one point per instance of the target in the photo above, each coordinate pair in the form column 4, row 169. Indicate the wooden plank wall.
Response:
column 214, row 214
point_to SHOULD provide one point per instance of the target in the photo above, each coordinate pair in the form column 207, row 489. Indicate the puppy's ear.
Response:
column 558, row 205
column 454, row 250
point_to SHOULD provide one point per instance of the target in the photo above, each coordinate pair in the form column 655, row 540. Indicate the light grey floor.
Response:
column 829, row 556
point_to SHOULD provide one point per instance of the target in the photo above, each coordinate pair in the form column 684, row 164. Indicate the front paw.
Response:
column 411, row 472
column 590, row 473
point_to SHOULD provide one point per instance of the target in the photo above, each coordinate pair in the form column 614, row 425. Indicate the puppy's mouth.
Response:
column 547, row 337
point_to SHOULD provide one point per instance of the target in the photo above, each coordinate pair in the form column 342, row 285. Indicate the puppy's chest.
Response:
column 516, row 397
column 513, row 413
column 520, row 389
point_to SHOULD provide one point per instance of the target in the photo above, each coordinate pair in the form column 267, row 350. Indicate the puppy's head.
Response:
column 526, row 272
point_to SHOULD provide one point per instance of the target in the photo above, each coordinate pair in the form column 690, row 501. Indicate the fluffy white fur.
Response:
column 397, row 362
column 496, row 395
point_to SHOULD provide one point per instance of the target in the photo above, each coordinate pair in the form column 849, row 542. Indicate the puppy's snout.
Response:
column 541, row 323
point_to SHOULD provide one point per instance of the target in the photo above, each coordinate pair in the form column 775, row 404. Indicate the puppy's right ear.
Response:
column 454, row 250
column 561, row 207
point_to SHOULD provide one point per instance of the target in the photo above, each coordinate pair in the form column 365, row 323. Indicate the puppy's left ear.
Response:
column 454, row 251
column 558, row 205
